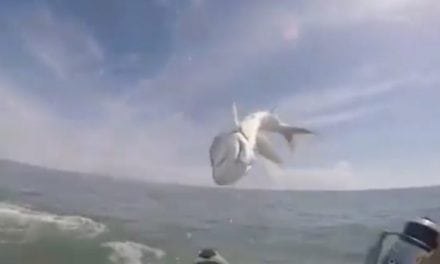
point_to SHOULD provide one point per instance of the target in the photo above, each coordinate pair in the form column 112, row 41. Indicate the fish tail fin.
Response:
column 288, row 132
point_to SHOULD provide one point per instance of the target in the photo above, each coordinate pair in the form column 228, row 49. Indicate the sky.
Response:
column 139, row 88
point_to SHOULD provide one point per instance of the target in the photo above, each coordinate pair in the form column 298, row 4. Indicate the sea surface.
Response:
column 49, row 216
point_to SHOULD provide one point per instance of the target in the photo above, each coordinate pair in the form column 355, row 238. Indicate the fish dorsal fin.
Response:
column 235, row 115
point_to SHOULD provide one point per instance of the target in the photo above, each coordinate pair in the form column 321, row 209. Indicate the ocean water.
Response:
column 49, row 216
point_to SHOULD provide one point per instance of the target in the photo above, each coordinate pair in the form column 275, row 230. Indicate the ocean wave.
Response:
column 129, row 252
column 20, row 223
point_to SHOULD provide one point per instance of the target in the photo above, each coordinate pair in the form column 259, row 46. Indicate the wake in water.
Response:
column 17, row 222
column 133, row 253
column 49, row 238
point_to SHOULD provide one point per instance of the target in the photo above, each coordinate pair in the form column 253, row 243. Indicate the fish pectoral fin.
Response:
column 265, row 149
column 244, row 152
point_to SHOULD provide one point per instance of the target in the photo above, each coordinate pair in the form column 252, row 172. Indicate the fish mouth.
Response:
column 229, row 174
column 221, row 162
column 222, row 183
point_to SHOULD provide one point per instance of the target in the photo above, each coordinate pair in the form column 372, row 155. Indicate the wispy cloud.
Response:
column 119, row 144
column 151, row 132
column 331, row 98
column 336, row 105
column 340, row 117
column 228, row 50
column 61, row 44
column 346, row 12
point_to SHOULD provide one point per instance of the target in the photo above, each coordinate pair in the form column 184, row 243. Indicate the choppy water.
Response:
column 56, row 217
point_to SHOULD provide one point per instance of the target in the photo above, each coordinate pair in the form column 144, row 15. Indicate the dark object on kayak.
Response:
column 209, row 256
column 416, row 244
column 207, row 253
column 423, row 231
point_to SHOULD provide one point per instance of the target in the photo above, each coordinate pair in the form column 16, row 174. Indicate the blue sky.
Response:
column 139, row 88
